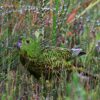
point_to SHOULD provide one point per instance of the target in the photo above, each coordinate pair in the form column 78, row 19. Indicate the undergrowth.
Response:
column 50, row 19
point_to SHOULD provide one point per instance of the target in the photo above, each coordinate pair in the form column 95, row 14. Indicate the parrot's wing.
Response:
column 55, row 57
column 67, row 54
column 59, row 52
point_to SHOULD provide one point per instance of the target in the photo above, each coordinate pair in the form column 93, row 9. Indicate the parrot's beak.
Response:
column 19, row 43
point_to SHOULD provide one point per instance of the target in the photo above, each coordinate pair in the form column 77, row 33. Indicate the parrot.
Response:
column 45, row 60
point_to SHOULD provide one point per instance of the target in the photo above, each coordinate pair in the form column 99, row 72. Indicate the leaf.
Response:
column 37, row 34
column 90, row 6
column 69, row 34
column 72, row 16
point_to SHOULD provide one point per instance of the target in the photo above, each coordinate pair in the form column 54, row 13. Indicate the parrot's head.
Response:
column 29, row 46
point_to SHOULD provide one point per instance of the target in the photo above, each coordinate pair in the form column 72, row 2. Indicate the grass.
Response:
column 15, row 82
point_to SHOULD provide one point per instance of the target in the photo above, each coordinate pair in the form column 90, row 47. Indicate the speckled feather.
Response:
column 43, row 60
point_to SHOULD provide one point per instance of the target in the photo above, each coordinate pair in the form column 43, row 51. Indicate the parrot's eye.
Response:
column 27, row 41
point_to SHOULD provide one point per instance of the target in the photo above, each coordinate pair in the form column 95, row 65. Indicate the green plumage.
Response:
column 40, row 60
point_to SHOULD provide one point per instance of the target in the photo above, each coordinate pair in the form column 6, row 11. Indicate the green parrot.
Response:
column 45, row 60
